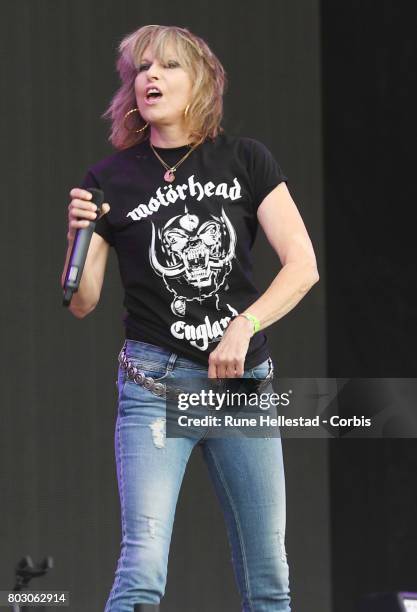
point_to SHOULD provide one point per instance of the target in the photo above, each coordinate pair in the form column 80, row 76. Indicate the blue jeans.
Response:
column 247, row 474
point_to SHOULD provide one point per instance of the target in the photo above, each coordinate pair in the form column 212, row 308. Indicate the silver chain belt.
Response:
column 134, row 374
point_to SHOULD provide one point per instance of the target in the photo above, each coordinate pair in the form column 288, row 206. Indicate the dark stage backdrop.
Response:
column 369, row 54
column 58, row 479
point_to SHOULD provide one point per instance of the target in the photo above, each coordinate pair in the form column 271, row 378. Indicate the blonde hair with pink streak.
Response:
column 207, row 75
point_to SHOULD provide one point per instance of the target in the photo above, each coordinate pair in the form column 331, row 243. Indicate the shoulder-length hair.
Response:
column 207, row 75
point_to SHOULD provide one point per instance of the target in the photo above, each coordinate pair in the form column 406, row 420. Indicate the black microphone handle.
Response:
column 80, row 249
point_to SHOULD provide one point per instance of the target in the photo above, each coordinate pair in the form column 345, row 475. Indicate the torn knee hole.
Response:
column 158, row 432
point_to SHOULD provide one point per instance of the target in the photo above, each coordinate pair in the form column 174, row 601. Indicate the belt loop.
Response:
column 171, row 362
column 123, row 350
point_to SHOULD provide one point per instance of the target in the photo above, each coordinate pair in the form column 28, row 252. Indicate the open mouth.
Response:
column 152, row 96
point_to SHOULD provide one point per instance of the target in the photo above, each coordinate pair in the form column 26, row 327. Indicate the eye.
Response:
column 172, row 64
column 142, row 67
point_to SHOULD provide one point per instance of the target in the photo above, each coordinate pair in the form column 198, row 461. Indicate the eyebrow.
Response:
column 145, row 59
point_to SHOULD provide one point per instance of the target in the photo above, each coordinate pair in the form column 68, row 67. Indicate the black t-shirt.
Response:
column 184, row 248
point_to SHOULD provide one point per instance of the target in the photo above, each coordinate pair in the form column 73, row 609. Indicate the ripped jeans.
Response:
column 247, row 475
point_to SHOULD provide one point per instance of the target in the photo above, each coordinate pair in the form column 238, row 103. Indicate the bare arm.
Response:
column 286, row 232
column 80, row 210
column 284, row 228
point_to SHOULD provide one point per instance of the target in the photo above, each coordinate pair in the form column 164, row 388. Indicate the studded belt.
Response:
column 134, row 374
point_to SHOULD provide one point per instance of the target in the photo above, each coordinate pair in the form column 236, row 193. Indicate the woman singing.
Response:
column 184, row 203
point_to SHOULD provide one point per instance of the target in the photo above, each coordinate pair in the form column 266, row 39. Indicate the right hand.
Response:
column 81, row 210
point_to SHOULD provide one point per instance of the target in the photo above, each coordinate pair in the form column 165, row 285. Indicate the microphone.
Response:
column 80, row 249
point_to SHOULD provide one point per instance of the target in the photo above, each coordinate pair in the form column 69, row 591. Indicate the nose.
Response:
column 153, row 71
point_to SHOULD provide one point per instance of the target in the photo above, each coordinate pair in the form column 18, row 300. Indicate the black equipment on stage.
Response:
column 26, row 570
column 389, row 602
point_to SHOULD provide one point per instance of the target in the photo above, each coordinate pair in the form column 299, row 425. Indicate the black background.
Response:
column 328, row 88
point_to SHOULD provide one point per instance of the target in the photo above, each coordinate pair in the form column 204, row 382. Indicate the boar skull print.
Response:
column 197, row 256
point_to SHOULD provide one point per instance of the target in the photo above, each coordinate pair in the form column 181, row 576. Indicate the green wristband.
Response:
column 255, row 321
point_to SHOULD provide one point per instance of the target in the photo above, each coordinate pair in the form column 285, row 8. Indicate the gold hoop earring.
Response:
column 133, row 110
column 186, row 110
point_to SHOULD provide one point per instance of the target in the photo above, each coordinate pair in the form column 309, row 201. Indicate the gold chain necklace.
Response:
column 169, row 175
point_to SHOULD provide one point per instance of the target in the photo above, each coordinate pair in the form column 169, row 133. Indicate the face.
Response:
column 171, row 80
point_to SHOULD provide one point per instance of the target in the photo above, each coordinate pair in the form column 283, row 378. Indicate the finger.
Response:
column 239, row 368
column 83, row 223
column 104, row 209
column 212, row 370
column 231, row 371
column 221, row 370
column 77, row 203
column 82, row 213
column 83, row 194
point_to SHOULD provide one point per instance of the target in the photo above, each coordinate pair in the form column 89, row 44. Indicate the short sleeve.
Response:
column 103, row 227
column 265, row 171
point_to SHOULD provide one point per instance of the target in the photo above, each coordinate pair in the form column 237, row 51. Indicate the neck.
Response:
column 168, row 136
